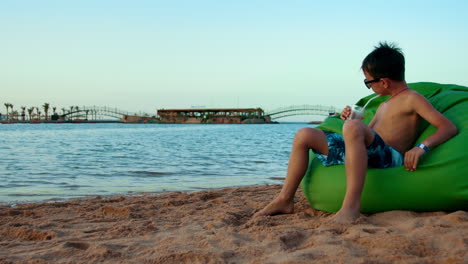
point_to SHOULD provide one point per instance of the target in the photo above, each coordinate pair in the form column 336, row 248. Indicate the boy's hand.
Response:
column 345, row 113
column 412, row 158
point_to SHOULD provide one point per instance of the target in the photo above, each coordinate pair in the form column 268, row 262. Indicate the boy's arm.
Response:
column 445, row 130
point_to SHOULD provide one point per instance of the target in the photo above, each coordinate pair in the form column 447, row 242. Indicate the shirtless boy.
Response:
column 386, row 142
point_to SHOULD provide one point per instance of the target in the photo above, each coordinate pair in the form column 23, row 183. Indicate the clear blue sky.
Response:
column 144, row 55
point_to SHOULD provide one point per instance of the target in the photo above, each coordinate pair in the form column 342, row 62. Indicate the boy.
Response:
column 386, row 142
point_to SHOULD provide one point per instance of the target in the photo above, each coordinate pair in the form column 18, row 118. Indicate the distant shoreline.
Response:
column 6, row 122
column 9, row 122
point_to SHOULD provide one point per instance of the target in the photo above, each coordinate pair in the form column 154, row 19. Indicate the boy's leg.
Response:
column 304, row 140
column 357, row 137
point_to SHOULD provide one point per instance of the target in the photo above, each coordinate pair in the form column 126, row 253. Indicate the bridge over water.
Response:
column 296, row 110
column 96, row 113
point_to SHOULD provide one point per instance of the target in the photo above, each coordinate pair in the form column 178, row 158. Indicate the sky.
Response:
column 141, row 56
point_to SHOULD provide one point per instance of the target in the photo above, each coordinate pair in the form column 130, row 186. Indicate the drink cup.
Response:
column 357, row 112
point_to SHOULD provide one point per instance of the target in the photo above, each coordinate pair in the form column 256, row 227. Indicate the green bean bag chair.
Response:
column 439, row 184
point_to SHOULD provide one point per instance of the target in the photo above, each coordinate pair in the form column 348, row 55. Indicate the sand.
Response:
column 215, row 226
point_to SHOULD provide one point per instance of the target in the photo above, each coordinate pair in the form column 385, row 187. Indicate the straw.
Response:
column 364, row 107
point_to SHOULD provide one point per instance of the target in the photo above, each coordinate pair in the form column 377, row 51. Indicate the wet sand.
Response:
column 215, row 226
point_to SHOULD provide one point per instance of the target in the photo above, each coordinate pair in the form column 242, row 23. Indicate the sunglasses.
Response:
column 368, row 83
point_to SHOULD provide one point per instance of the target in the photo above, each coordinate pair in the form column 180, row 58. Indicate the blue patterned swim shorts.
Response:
column 379, row 154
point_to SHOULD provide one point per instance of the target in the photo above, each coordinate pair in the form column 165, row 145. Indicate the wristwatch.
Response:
column 424, row 147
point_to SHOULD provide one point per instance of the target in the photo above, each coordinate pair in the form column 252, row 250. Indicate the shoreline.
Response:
column 215, row 226
column 10, row 122
column 12, row 203
column 121, row 122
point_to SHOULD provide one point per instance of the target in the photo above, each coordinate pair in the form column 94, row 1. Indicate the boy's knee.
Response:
column 353, row 128
column 304, row 134
column 311, row 138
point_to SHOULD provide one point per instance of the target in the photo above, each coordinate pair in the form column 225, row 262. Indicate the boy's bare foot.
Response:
column 277, row 206
column 346, row 216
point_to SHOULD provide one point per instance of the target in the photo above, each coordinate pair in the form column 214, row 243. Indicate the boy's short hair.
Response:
column 386, row 61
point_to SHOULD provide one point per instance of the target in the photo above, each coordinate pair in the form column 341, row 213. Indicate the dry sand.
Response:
column 216, row 227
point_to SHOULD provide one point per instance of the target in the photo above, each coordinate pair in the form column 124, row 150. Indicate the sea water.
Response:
column 49, row 162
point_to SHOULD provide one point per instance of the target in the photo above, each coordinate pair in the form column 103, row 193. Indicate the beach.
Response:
column 216, row 226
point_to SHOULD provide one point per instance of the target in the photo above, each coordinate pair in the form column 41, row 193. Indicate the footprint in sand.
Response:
column 77, row 245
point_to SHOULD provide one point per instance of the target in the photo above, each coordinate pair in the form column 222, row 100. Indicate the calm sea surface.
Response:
column 47, row 162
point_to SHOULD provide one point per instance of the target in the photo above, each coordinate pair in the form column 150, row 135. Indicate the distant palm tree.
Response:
column 30, row 111
column 46, row 110
column 38, row 113
column 11, row 108
column 54, row 110
column 23, row 112
column 7, row 105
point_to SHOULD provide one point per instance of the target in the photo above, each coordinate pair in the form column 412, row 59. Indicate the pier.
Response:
column 214, row 116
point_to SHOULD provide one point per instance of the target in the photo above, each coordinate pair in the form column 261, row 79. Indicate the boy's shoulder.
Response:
column 406, row 101
column 411, row 101
column 412, row 96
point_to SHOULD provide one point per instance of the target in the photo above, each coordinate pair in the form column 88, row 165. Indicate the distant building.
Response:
column 213, row 116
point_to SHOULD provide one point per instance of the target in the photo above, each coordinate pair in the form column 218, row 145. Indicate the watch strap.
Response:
column 422, row 146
